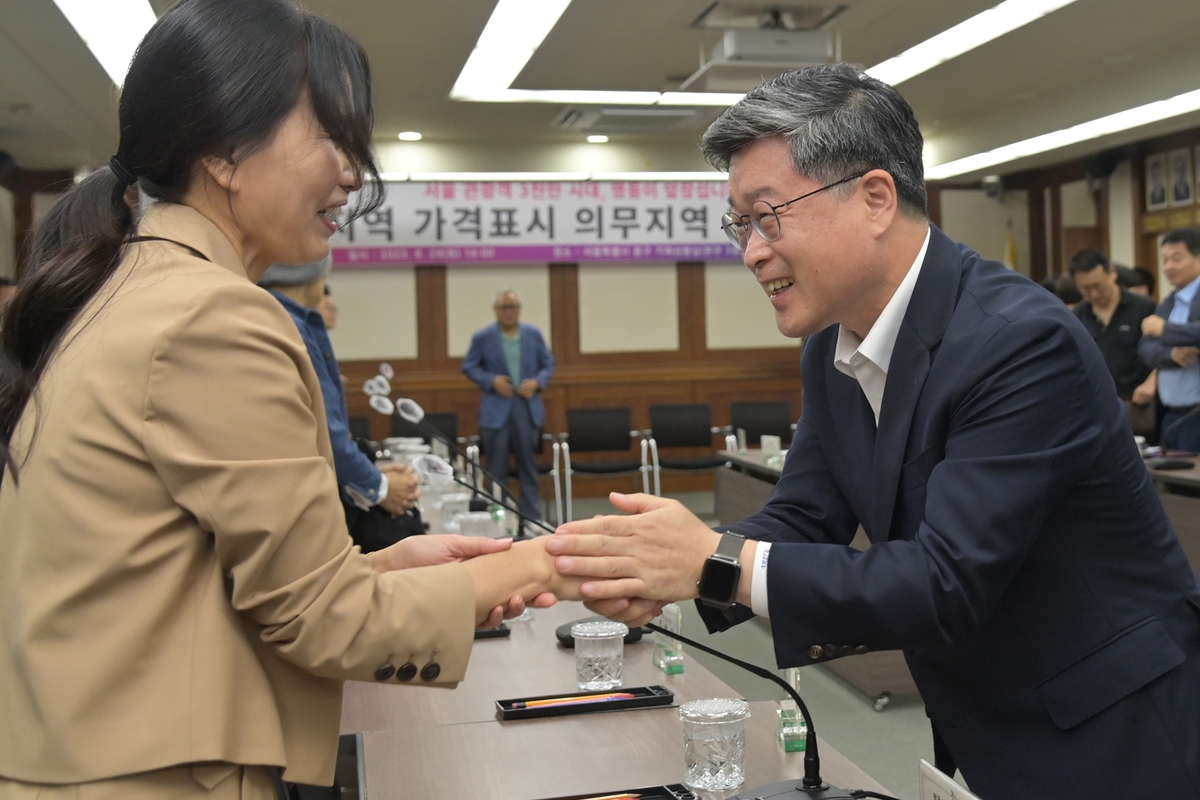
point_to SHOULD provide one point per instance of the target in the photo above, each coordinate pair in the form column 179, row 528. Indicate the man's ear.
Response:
column 882, row 199
column 222, row 171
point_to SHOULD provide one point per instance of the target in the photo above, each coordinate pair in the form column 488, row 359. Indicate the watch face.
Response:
column 719, row 580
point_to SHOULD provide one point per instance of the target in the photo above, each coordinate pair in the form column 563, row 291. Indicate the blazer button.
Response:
column 845, row 650
column 815, row 652
column 831, row 650
column 384, row 671
column 862, row 649
column 407, row 672
column 430, row 672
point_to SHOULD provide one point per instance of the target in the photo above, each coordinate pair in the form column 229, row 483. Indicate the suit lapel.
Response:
column 925, row 322
column 498, row 350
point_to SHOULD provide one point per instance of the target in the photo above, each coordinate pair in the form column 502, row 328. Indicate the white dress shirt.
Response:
column 865, row 360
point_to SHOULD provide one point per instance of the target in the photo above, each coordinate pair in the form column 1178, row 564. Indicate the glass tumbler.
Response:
column 714, row 743
column 599, row 653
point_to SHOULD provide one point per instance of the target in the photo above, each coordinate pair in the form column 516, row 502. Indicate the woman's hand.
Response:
column 431, row 549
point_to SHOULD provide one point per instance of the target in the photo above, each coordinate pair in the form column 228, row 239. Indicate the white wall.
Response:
column 628, row 308
column 981, row 222
column 1078, row 205
column 469, row 292
column 737, row 312
column 8, row 235
column 42, row 201
column 1122, row 225
column 377, row 314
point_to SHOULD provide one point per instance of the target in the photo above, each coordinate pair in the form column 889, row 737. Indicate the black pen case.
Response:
column 674, row 791
column 643, row 697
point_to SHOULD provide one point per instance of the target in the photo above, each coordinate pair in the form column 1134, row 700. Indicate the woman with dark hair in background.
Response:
column 179, row 600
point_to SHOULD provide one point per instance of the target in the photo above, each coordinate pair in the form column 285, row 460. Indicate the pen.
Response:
column 562, row 701
column 625, row 796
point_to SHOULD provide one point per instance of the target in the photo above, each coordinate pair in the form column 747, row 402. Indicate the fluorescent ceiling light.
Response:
column 562, row 96
column 111, row 30
column 410, row 136
column 963, row 37
column 597, row 138
column 512, row 34
column 699, row 98
column 393, row 177
column 1084, row 131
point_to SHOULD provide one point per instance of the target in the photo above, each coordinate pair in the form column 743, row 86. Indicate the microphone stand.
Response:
column 511, row 504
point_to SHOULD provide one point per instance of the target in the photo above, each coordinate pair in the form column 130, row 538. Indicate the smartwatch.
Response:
column 722, row 572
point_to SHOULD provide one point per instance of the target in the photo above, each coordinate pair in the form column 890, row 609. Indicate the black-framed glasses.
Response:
column 764, row 217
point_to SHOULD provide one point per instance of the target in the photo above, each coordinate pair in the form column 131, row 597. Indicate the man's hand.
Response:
column 503, row 385
column 528, row 388
column 403, row 488
column 1143, row 395
column 1185, row 356
column 1153, row 325
column 656, row 554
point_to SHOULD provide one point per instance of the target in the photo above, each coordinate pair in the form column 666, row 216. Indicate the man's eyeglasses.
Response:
column 507, row 307
column 765, row 217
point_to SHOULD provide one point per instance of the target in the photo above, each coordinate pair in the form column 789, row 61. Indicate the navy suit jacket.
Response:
column 485, row 360
column 1020, row 555
column 1156, row 350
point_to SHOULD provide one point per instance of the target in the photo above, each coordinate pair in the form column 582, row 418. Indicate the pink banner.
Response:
column 349, row 258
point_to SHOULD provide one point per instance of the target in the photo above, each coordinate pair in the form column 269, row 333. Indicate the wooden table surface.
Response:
column 567, row 756
column 754, row 460
column 528, row 663
column 1179, row 477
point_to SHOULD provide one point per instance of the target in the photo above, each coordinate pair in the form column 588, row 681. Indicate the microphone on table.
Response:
column 431, row 464
column 811, row 785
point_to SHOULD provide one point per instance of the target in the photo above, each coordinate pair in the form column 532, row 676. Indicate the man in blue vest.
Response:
column 509, row 361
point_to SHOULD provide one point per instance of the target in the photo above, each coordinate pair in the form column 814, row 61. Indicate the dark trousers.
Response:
column 1185, row 435
column 517, row 438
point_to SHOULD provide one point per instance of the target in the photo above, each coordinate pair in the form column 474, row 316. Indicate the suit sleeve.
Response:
column 545, row 362
column 1023, row 428
column 1154, row 350
column 232, row 428
column 473, row 364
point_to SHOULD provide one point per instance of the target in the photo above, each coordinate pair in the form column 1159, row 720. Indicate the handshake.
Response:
column 623, row 567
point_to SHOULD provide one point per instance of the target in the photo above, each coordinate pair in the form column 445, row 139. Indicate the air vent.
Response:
column 630, row 120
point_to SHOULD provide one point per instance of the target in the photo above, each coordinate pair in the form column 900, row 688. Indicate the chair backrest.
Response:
column 771, row 417
column 446, row 422
column 687, row 425
column 598, row 429
column 360, row 427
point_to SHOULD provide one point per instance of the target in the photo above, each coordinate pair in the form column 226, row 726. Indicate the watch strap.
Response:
column 731, row 545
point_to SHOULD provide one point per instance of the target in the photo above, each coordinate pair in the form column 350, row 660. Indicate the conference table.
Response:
column 422, row 742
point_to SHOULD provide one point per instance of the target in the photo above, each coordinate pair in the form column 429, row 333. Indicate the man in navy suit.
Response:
column 1170, row 342
column 510, row 362
column 964, row 417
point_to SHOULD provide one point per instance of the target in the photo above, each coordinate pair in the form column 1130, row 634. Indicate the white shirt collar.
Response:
column 867, row 360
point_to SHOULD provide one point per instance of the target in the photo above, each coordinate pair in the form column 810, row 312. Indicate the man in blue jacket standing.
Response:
column 509, row 361
column 1170, row 342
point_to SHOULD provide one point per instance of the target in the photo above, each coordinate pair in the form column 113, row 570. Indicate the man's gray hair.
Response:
column 501, row 292
column 837, row 122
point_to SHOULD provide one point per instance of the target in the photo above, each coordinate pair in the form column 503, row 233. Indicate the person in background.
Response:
column 1020, row 555
column 180, row 603
column 509, row 361
column 1065, row 290
column 1138, row 280
column 378, row 500
column 1171, row 342
column 328, row 309
column 1113, row 316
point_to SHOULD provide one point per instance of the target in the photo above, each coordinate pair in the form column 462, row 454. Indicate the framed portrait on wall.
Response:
column 1156, row 182
column 1179, row 174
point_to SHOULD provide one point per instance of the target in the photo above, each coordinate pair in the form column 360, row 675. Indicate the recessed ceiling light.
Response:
column 963, row 37
column 410, row 136
column 597, row 138
column 1084, row 131
column 111, row 30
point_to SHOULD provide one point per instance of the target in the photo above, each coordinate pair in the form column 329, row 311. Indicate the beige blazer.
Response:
column 176, row 580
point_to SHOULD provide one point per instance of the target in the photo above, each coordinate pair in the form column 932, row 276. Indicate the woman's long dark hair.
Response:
column 211, row 78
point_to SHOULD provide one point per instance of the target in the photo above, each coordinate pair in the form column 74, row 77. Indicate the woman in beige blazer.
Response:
column 179, row 599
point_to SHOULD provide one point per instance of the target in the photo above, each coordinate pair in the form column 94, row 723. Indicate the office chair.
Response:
column 770, row 417
column 686, row 425
column 598, row 430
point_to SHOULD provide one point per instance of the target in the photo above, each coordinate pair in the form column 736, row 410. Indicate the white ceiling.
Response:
column 1094, row 57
